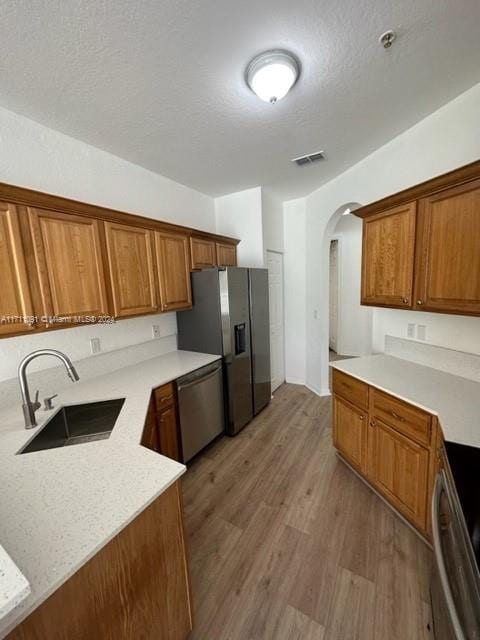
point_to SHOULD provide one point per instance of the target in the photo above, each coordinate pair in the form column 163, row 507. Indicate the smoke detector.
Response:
column 387, row 39
column 310, row 158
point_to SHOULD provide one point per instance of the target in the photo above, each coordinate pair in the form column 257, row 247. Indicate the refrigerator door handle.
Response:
column 225, row 311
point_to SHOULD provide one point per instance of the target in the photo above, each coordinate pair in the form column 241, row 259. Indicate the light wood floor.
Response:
column 286, row 543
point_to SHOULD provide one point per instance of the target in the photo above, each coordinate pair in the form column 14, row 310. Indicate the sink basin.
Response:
column 76, row 424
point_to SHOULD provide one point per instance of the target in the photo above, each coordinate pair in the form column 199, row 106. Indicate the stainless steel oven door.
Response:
column 454, row 594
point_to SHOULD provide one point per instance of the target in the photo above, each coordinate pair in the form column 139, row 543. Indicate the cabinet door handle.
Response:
column 405, row 300
column 419, row 302
column 372, row 423
column 396, row 416
column 362, row 417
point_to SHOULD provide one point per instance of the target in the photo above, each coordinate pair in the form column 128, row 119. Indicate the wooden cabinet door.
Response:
column 448, row 251
column 226, row 255
column 136, row 587
column 169, row 433
column 350, row 432
column 203, row 253
column 150, row 433
column 132, row 269
column 400, row 468
column 68, row 259
column 15, row 299
column 173, row 271
column 388, row 257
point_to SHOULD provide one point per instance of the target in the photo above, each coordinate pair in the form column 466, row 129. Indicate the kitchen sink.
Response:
column 76, row 424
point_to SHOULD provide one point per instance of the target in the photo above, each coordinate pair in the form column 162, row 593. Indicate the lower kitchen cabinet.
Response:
column 392, row 445
column 162, row 432
column 137, row 586
column 400, row 468
column 167, row 422
column 350, row 432
column 150, row 438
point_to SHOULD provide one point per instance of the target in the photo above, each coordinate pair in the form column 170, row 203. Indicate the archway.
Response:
column 354, row 308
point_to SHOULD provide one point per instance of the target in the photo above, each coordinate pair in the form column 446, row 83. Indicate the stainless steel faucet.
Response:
column 28, row 406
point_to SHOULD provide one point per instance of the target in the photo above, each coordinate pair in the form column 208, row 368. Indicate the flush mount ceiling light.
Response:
column 272, row 74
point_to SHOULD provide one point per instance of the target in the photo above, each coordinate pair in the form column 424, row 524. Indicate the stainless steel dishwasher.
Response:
column 201, row 408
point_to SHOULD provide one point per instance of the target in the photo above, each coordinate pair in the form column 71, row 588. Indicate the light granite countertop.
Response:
column 14, row 587
column 59, row 507
column 455, row 400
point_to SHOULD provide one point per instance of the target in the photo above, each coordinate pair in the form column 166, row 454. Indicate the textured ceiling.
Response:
column 160, row 83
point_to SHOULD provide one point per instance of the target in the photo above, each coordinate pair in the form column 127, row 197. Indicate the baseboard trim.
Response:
column 322, row 393
column 299, row 381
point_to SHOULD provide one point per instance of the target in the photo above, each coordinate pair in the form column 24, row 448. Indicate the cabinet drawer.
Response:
column 412, row 422
column 351, row 389
column 164, row 396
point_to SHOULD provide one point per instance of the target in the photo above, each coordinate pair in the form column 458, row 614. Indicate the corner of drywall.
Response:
column 239, row 215
column 273, row 224
column 294, row 214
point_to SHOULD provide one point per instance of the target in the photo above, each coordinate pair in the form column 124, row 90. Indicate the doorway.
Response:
column 333, row 296
column 277, row 338
column 350, row 323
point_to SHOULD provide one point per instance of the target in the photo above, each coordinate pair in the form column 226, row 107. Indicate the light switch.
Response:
column 411, row 330
column 95, row 345
column 422, row 332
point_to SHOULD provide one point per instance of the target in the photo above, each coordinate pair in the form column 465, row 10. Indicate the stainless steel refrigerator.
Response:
column 230, row 316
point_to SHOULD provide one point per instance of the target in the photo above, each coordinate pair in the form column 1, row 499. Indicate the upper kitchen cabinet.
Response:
column 226, row 254
column 203, row 252
column 68, row 264
column 448, row 251
column 173, row 270
column 388, row 257
column 132, row 269
column 15, row 300
column 421, row 247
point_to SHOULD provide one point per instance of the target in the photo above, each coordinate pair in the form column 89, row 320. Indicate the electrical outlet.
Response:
column 95, row 345
column 411, row 330
column 422, row 332
column 156, row 331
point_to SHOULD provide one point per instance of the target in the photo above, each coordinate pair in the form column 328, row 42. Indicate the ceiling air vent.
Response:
column 310, row 158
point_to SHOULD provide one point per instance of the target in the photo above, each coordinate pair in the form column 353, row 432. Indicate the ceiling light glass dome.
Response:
column 272, row 74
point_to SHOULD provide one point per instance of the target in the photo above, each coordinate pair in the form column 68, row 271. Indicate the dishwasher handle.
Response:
column 199, row 379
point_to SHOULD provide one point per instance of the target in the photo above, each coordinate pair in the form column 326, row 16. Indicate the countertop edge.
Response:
column 395, row 394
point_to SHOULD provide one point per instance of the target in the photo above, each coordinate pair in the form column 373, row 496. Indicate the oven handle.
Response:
column 440, row 485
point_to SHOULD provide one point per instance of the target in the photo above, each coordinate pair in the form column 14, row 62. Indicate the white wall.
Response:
column 454, row 332
column 446, row 139
column 272, row 215
column 354, row 325
column 295, row 284
column 76, row 342
column 240, row 215
column 40, row 158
